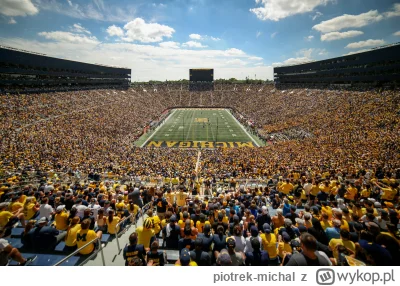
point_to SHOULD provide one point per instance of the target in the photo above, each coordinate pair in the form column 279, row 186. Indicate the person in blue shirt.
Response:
column 44, row 237
column 133, row 250
column 334, row 231
column 286, row 207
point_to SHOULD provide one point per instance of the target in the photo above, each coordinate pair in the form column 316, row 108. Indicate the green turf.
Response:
column 199, row 125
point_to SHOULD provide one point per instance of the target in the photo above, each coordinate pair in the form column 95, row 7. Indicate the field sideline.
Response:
column 200, row 128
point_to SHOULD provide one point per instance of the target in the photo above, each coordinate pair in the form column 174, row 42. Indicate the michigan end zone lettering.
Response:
column 198, row 144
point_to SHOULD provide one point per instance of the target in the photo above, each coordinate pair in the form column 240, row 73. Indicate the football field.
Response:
column 200, row 128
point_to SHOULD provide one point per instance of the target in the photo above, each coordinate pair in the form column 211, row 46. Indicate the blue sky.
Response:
column 162, row 39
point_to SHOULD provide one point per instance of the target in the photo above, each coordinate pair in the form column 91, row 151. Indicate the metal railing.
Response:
column 100, row 249
column 117, row 233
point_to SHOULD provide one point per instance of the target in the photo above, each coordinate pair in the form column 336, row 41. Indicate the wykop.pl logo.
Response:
column 325, row 276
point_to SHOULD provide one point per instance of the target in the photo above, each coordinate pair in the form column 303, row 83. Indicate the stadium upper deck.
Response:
column 375, row 67
column 21, row 70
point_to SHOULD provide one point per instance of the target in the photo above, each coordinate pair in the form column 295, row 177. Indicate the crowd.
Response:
column 349, row 158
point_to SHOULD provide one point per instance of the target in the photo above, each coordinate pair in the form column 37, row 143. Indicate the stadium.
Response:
column 96, row 170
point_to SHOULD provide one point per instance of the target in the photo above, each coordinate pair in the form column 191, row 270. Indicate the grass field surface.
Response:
column 204, row 128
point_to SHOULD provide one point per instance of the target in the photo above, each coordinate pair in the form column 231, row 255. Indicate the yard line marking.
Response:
column 157, row 129
column 243, row 128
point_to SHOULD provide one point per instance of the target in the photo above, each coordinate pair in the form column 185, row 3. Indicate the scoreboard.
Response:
column 201, row 75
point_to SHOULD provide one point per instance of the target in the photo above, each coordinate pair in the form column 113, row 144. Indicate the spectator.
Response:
column 171, row 233
column 202, row 258
column 85, row 235
column 256, row 257
column 44, row 238
column 8, row 252
column 309, row 256
column 145, row 233
column 135, row 250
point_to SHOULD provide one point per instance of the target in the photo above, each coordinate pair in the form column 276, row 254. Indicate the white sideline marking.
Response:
column 243, row 129
column 158, row 127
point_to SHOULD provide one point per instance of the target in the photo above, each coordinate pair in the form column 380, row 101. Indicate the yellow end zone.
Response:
column 201, row 120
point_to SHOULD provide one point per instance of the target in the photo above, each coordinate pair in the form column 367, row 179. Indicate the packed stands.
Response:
column 377, row 67
column 72, row 149
column 75, row 190
column 25, row 72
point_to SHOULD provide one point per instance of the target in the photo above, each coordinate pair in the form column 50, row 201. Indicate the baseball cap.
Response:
column 42, row 220
column 184, row 257
column 4, row 205
column 267, row 228
column 230, row 241
column 172, row 219
column 254, row 230
column 302, row 228
column 60, row 208
column 285, row 236
column 224, row 259
column 377, row 205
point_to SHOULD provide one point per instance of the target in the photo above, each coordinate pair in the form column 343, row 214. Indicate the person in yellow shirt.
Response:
column 155, row 220
column 268, row 241
column 181, row 222
column 314, row 191
column 61, row 218
column 324, row 187
column 181, row 197
column 366, row 192
column 112, row 222
column 8, row 218
column 286, row 187
column 145, row 233
column 165, row 221
column 31, row 208
column 120, row 207
column 357, row 210
column 343, row 240
column 284, row 245
column 170, row 196
column 85, row 235
column 15, row 205
column 325, row 222
column 201, row 223
column 351, row 193
column 388, row 192
column 133, row 210
column 73, row 228
column 326, row 209
column 344, row 224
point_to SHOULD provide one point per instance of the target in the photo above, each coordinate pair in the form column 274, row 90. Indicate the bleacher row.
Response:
column 61, row 252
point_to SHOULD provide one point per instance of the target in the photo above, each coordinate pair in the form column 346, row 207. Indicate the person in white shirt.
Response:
column 94, row 206
column 307, row 188
column 45, row 209
column 80, row 208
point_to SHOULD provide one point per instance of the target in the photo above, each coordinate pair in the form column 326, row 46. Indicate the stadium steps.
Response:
column 49, row 260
